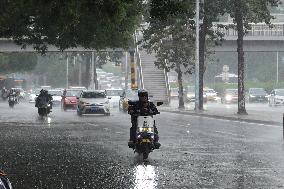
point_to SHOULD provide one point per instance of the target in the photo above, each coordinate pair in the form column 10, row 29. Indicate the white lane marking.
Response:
column 227, row 133
column 93, row 124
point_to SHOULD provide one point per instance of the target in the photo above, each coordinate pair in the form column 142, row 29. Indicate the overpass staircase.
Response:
column 154, row 80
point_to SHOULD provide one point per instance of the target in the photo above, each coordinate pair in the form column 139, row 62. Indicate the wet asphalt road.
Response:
column 66, row 151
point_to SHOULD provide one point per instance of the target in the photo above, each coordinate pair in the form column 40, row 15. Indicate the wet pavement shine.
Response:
column 65, row 151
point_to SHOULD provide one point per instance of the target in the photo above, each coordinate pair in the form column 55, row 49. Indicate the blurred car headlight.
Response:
column 229, row 97
column 252, row 96
column 190, row 96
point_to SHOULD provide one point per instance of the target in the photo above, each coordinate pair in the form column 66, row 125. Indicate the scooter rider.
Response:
column 145, row 108
column 44, row 94
column 13, row 92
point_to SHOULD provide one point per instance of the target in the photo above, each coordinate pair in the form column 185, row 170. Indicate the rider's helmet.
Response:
column 143, row 95
column 43, row 92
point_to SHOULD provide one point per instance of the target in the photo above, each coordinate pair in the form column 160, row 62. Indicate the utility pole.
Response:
column 80, row 71
column 277, row 67
column 132, row 70
column 67, row 72
column 126, row 71
column 92, row 71
column 197, row 58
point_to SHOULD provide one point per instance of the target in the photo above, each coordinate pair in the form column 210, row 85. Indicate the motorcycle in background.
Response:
column 12, row 101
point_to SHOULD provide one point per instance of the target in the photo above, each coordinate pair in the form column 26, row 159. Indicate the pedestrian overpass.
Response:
column 260, row 38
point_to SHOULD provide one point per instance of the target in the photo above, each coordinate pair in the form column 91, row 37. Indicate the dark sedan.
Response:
column 257, row 95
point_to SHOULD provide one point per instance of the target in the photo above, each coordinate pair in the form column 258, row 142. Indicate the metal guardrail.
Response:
column 276, row 29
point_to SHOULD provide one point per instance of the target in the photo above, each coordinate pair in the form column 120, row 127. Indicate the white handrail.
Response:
column 139, row 63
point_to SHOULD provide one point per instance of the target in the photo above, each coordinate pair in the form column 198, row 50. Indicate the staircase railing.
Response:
column 140, row 70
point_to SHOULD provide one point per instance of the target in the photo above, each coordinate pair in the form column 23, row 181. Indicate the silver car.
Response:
column 276, row 97
column 93, row 102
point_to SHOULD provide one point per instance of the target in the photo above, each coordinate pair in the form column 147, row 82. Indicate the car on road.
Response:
column 125, row 97
column 257, row 95
column 56, row 96
column 276, row 97
column 33, row 95
column 190, row 95
column 69, row 101
column 229, row 96
column 77, row 88
column 114, row 94
column 93, row 102
column 211, row 94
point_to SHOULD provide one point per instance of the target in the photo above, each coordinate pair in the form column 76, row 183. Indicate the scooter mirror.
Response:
column 159, row 103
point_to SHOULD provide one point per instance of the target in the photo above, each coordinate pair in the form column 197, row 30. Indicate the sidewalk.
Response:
column 265, row 114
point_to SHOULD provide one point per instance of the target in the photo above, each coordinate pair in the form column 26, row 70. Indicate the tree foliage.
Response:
column 66, row 24
column 170, row 36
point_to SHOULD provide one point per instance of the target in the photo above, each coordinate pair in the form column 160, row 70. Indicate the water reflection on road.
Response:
column 145, row 177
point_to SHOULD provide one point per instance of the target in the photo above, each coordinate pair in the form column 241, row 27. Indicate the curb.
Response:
column 224, row 117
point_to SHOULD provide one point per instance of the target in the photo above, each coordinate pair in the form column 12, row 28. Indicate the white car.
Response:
column 33, row 94
column 115, row 95
column 56, row 96
column 276, row 97
column 211, row 94
column 93, row 102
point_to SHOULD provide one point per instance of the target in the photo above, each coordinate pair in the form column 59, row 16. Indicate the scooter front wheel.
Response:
column 145, row 155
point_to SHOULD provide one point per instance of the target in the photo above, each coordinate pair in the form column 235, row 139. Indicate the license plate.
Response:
column 94, row 109
column 145, row 140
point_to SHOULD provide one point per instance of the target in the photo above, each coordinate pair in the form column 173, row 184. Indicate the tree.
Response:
column 210, row 12
column 171, row 37
column 245, row 12
column 67, row 24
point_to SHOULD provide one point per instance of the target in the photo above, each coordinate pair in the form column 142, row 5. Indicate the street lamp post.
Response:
column 126, row 71
column 197, row 58
column 67, row 72
column 92, row 71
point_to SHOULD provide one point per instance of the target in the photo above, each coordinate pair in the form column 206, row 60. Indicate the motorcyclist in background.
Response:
column 44, row 95
column 13, row 92
column 142, row 107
